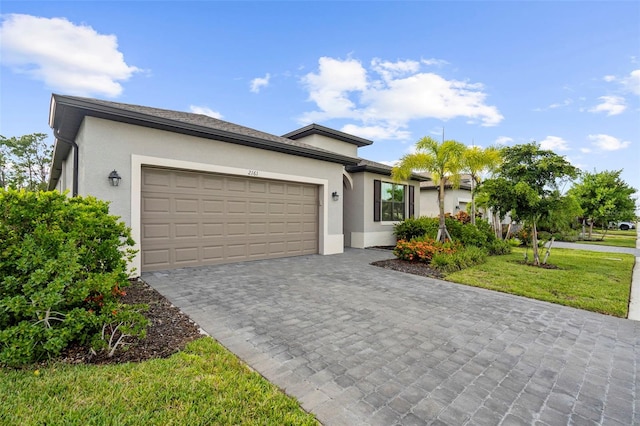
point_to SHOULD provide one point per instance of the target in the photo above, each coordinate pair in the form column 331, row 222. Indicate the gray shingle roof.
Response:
column 181, row 118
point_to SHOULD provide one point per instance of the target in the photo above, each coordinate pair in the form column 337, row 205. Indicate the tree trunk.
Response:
column 546, row 256
column 473, row 203
column 442, row 229
column 506, row 237
column 534, row 245
column 590, row 228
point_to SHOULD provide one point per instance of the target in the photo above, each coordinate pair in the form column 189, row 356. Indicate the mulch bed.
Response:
column 415, row 268
column 169, row 331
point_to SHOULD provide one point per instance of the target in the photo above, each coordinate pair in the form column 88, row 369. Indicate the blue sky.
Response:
column 565, row 74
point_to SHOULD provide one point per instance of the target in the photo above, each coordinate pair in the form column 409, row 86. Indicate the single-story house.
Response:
column 196, row 190
column 455, row 199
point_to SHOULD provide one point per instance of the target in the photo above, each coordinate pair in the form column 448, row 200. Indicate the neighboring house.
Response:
column 455, row 199
column 196, row 190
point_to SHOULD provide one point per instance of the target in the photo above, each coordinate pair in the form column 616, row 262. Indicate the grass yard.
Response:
column 594, row 281
column 203, row 385
column 614, row 238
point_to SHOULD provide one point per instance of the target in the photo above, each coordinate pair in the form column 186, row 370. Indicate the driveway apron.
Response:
column 358, row 344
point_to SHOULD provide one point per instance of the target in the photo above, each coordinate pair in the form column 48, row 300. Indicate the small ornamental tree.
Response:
column 604, row 197
column 63, row 266
column 528, row 184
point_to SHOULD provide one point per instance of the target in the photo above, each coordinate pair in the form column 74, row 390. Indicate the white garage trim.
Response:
column 328, row 244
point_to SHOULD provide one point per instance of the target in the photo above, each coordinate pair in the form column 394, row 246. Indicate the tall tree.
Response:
column 25, row 161
column 443, row 160
column 478, row 161
column 604, row 197
column 535, row 177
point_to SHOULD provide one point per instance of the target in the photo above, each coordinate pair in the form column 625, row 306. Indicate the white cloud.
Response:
column 74, row 59
column 390, row 70
column 608, row 143
column 331, row 86
column 503, row 140
column 585, row 150
column 260, row 82
column 632, row 83
column 609, row 78
column 377, row 132
column 612, row 105
column 556, row 105
column 554, row 143
column 205, row 111
column 433, row 61
column 401, row 93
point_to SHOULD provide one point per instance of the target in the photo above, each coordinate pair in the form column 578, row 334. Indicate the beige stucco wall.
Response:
column 364, row 232
column 334, row 145
column 452, row 198
column 106, row 145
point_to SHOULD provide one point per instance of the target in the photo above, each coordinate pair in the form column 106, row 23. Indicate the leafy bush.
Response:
column 423, row 249
column 469, row 256
column 415, row 227
column 459, row 228
column 499, row 247
column 63, row 265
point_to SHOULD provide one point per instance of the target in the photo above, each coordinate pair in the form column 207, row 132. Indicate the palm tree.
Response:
column 443, row 160
column 476, row 162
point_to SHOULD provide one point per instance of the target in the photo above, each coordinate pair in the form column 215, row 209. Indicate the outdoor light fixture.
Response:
column 114, row 178
column 457, row 208
column 335, row 196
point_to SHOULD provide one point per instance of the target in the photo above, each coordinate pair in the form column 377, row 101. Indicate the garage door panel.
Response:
column 212, row 229
column 236, row 185
column 186, row 254
column 236, row 207
column 158, row 179
column 156, row 204
column 151, row 230
column 156, row 258
column 192, row 218
column 212, row 206
column 183, row 230
column 187, row 181
column 186, row 205
column 213, row 252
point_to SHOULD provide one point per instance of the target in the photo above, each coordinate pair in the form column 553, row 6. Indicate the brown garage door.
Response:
column 193, row 218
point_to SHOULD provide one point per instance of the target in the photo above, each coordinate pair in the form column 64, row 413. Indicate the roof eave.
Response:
column 316, row 129
column 382, row 171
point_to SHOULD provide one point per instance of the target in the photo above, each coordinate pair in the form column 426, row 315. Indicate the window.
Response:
column 391, row 200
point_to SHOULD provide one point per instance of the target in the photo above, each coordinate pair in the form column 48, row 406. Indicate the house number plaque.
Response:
column 253, row 173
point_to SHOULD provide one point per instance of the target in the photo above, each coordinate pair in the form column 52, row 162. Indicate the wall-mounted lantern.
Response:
column 335, row 196
column 114, row 178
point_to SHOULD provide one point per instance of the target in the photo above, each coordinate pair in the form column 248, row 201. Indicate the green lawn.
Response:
column 203, row 385
column 593, row 281
column 614, row 238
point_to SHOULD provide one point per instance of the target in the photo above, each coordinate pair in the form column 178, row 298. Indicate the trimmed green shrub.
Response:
column 415, row 227
column 467, row 257
column 63, row 265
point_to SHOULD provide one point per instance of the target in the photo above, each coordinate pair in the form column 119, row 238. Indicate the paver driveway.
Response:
column 358, row 344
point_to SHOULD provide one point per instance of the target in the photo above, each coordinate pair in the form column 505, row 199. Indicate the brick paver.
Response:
column 358, row 344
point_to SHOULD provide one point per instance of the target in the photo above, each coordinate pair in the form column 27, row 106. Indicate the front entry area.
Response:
column 194, row 218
